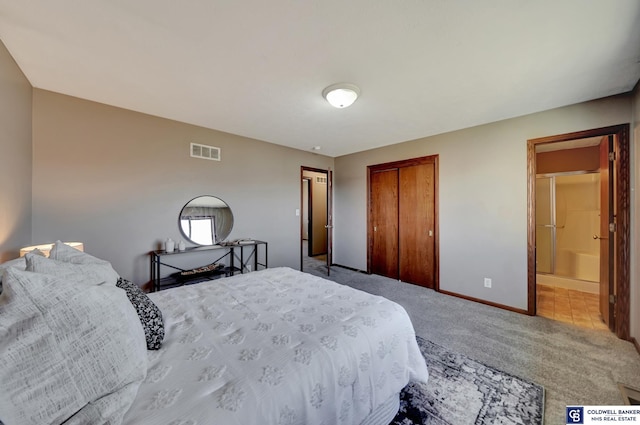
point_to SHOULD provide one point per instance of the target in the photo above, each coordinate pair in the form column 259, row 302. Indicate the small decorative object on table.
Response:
column 169, row 245
column 207, row 270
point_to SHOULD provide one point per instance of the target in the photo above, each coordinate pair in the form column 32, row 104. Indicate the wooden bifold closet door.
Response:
column 384, row 218
column 402, row 221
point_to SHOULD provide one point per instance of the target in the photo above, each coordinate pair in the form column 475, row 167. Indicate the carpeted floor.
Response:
column 575, row 366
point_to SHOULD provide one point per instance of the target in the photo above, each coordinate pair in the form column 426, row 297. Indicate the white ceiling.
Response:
column 257, row 68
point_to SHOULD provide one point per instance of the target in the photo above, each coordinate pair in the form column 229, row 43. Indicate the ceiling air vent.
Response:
column 205, row 152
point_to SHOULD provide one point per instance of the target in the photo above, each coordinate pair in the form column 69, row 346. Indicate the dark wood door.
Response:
column 416, row 214
column 606, row 236
column 383, row 222
column 403, row 221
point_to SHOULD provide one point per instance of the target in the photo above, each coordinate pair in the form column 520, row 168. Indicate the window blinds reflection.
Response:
column 200, row 230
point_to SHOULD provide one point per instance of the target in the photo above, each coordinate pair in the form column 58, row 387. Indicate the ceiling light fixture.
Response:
column 341, row 95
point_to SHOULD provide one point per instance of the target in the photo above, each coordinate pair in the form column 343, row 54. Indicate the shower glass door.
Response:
column 545, row 225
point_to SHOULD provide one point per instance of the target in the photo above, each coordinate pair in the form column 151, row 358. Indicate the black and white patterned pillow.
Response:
column 149, row 313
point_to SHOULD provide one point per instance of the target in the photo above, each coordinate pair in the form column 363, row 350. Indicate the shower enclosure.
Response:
column 567, row 226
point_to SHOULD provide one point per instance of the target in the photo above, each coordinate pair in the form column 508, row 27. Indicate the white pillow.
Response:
column 18, row 263
column 90, row 273
column 69, row 352
column 62, row 252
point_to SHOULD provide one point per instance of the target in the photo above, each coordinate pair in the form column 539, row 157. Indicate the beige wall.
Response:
column 116, row 180
column 482, row 197
column 15, row 157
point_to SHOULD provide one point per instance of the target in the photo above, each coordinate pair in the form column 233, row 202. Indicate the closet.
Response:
column 402, row 220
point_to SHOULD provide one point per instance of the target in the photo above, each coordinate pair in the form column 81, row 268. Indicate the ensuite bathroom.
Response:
column 568, row 247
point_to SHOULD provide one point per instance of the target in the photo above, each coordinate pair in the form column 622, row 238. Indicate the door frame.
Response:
column 622, row 200
column 329, row 215
column 329, row 225
column 606, row 239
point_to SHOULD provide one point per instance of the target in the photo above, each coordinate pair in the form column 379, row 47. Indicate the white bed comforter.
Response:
column 275, row 347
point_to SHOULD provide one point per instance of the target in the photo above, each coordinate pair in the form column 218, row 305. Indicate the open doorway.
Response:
column 578, row 227
column 315, row 220
column 570, row 202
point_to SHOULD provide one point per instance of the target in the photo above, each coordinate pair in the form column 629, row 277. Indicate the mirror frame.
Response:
column 222, row 228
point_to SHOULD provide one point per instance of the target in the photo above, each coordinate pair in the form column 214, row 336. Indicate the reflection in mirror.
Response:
column 206, row 220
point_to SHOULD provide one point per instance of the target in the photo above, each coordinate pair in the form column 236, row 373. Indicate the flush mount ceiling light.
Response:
column 341, row 95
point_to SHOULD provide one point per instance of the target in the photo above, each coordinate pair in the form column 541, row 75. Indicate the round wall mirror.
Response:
column 206, row 220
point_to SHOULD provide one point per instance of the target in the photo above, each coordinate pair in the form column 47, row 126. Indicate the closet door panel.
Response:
column 416, row 211
column 384, row 222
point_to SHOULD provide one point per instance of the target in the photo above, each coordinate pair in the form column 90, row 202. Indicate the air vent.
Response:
column 321, row 180
column 205, row 152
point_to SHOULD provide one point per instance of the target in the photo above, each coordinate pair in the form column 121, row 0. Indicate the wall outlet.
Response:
column 487, row 282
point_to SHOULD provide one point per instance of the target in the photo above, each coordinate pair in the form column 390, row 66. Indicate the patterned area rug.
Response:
column 463, row 391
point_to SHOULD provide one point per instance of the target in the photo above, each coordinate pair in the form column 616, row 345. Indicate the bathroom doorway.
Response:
column 568, row 246
column 563, row 248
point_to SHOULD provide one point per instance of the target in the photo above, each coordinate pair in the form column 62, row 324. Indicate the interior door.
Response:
column 383, row 220
column 306, row 199
column 317, row 210
column 417, row 224
column 329, row 221
column 606, row 236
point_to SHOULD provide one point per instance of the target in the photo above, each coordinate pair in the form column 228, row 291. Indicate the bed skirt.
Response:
column 385, row 413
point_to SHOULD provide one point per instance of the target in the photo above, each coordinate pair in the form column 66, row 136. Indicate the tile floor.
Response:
column 569, row 306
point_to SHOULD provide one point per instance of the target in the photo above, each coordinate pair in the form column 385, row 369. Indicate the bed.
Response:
column 271, row 347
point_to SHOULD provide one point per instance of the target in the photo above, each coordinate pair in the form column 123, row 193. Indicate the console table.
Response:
column 238, row 257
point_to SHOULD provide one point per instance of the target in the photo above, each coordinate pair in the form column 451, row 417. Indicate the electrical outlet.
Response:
column 487, row 282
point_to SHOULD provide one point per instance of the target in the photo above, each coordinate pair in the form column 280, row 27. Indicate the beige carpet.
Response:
column 575, row 366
